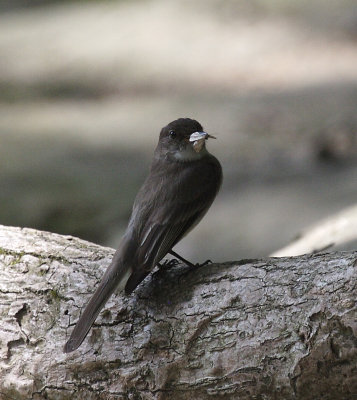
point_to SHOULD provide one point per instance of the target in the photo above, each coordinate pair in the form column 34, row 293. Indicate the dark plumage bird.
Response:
column 183, row 182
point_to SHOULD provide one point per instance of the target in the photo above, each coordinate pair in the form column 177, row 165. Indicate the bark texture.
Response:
column 277, row 328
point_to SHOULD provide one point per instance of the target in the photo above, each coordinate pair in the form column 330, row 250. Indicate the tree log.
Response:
column 275, row 328
column 335, row 230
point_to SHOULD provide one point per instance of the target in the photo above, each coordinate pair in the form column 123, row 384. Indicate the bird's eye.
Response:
column 172, row 134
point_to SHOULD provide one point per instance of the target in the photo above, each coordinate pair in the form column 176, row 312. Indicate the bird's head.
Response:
column 183, row 140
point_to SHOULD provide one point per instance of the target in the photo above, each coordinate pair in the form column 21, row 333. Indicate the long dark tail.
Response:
column 116, row 276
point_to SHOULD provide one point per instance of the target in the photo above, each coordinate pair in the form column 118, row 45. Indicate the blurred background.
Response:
column 85, row 87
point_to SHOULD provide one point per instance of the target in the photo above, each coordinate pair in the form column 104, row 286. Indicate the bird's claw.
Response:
column 204, row 263
column 169, row 263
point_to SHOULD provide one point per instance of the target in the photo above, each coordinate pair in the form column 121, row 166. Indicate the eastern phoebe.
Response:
column 183, row 182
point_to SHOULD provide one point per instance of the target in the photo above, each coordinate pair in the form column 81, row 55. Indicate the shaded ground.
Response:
column 85, row 89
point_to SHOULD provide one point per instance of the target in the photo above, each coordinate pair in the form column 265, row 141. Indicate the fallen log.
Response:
column 275, row 328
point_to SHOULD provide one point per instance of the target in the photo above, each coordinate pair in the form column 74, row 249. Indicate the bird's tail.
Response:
column 116, row 276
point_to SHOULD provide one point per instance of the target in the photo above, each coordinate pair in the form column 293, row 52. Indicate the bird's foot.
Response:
column 168, row 263
column 203, row 264
column 182, row 259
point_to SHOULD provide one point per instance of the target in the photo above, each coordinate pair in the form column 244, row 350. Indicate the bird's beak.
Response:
column 198, row 139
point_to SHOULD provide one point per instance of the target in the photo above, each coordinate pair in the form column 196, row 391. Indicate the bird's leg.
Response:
column 173, row 261
column 205, row 263
column 182, row 259
column 188, row 262
column 168, row 263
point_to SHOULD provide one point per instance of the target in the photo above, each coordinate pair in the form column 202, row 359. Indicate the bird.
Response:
column 183, row 182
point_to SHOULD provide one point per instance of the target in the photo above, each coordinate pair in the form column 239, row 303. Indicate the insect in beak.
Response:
column 198, row 139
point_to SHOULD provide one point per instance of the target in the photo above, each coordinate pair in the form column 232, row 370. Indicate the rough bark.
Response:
column 251, row 329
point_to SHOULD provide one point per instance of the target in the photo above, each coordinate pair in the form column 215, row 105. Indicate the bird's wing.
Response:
column 172, row 218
